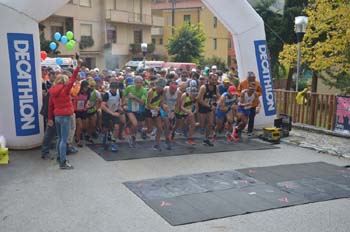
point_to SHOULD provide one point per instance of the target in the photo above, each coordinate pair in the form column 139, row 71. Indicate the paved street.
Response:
column 36, row 196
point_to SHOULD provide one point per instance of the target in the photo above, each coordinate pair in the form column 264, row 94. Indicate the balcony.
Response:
column 155, row 31
column 157, row 21
column 120, row 16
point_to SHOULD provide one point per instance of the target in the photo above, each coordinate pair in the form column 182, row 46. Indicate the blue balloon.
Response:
column 59, row 61
column 64, row 39
column 57, row 36
column 53, row 46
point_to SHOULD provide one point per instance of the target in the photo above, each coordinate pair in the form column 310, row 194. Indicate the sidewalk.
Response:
column 323, row 141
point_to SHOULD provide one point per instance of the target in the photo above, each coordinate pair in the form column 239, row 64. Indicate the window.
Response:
column 229, row 43
column 215, row 44
column 137, row 37
column 161, row 41
column 55, row 29
column 111, row 34
column 187, row 19
column 215, row 23
column 86, row 3
column 86, row 30
column 153, row 41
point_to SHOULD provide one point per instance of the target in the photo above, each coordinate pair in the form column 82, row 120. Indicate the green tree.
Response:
column 187, row 44
column 326, row 47
column 214, row 60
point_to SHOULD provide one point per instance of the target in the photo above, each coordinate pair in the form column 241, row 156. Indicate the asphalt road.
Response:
column 36, row 196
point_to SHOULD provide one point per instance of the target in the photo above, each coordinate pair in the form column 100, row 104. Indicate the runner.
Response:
column 94, row 106
column 207, row 96
column 80, row 102
column 154, row 104
column 134, row 105
column 188, row 108
column 111, row 111
column 226, row 108
column 249, row 97
column 171, row 94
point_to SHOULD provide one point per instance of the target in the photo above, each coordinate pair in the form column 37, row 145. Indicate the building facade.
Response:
column 219, row 41
column 108, row 32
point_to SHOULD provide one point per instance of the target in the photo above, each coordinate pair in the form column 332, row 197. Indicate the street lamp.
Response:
column 144, row 51
column 300, row 29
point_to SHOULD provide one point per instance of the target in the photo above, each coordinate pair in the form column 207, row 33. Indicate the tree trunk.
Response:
column 290, row 76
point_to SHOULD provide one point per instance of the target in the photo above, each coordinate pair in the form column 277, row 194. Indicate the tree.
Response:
column 187, row 44
column 214, row 60
column 326, row 48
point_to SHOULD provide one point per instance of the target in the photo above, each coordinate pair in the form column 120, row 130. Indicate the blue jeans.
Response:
column 63, row 129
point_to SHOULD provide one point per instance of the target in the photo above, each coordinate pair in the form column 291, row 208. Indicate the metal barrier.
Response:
column 316, row 109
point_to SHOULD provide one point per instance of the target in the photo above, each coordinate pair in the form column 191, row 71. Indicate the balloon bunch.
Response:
column 65, row 39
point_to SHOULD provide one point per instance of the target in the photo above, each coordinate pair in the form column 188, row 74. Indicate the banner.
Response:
column 342, row 115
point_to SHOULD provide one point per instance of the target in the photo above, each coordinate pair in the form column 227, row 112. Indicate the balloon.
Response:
column 57, row 36
column 43, row 55
column 70, row 45
column 59, row 61
column 73, row 42
column 53, row 46
column 64, row 39
column 69, row 35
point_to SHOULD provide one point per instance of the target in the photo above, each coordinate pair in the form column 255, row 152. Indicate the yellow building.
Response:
column 218, row 40
column 108, row 32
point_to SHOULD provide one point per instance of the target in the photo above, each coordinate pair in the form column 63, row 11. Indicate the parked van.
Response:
column 51, row 62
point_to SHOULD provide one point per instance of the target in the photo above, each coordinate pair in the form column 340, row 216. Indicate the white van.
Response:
column 51, row 62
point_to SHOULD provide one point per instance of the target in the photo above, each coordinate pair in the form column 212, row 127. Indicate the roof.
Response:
column 178, row 5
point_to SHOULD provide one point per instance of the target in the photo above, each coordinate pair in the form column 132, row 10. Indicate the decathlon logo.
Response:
column 23, row 78
column 265, row 77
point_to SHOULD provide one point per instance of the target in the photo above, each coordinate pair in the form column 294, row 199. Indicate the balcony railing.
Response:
column 157, row 31
column 121, row 16
column 157, row 21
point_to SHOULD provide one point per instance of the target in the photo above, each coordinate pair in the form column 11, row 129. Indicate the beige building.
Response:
column 219, row 40
column 108, row 32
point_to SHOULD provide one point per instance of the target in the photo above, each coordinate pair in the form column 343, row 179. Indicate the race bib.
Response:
column 135, row 106
column 80, row 105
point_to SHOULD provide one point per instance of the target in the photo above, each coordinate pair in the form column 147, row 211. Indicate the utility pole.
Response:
column 173, row 16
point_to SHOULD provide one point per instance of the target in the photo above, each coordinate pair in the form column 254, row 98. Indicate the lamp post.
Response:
column 144, row 52
column 300, row 29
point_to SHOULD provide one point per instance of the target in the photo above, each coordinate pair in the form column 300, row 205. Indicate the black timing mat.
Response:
column 144, row 149
column 199, row 197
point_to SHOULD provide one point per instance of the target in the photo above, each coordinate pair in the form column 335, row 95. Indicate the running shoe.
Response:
column 157, row 147
column 168, row 145
column 191, row 142
column 66, row 165
column 114, row 147
column 229, row 137
column 133, row 141
column 235, row 135
column 207, row 143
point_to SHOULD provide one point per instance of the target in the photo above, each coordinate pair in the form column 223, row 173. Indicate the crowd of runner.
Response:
column 87, row 106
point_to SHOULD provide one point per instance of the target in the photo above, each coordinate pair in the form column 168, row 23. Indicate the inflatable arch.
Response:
column 20, row 86
column 247, row 28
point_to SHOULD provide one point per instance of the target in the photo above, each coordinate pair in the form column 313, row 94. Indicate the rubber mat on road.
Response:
column 199, row 197
column 144, row 149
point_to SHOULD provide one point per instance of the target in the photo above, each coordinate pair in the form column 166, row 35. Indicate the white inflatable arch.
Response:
column 20, row 82
column 247, row 28
column 20, row 85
